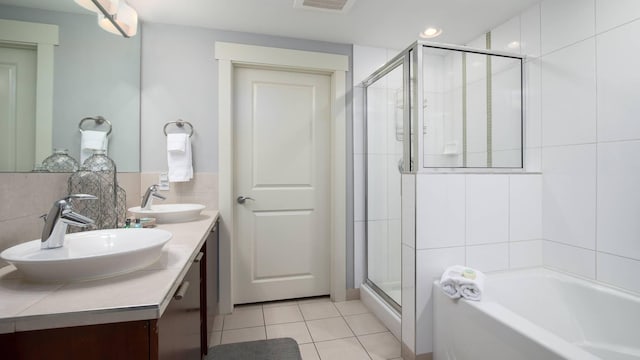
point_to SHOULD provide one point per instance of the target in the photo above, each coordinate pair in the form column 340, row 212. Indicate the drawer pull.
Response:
column 198, row 257
column 182, row 290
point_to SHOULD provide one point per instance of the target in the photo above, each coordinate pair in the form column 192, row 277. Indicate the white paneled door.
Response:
column 17, row 108
column 282, row 170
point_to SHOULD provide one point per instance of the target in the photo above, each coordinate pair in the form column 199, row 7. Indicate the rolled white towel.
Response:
column 461, row 281
column 449, row 287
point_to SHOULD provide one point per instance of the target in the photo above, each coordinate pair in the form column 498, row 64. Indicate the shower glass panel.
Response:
column 472, row 109
column 384, row 145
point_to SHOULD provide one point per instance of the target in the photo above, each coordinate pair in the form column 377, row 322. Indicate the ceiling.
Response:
column 383, row 23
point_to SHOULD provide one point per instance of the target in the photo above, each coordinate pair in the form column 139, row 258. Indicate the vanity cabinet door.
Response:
column 179, row 328
column 209, row 287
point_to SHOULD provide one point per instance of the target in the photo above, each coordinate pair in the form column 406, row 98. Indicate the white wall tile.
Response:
column 377, row 234
column 565, row 22
column 409, row 209
column 618, row 198
column 611, row 13
column 506, row 37
column 394, row 195
column 533, row 106
column 492, row 257
column 409, row 275
column 569, row 258
column 524, row 254
column 530, row 31
column 569, row 95
column 366, row 60
column 430, row 266
column 569, row 195
column 358, row 120
column 618, row 77
column 533, row 159
column 525, row 207
column 440, row 211
column 619, row 271
column 487, row 209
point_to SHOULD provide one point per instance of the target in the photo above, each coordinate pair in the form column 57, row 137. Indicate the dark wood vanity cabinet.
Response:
column 183, row 331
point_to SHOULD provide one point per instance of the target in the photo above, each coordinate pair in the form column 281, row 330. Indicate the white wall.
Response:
column 591, row 137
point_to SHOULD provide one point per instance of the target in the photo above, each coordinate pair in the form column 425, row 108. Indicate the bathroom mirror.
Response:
column 94, row 73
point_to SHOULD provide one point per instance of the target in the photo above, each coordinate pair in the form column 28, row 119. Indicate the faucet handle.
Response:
column 79, row 197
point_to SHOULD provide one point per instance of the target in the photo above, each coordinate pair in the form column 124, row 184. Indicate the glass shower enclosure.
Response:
column 440, row 107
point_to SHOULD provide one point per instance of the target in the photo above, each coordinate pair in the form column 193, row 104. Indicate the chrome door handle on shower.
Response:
column 241, row 199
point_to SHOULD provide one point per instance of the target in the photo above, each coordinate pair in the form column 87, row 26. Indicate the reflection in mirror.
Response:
column 94, row 73
column 472, row 109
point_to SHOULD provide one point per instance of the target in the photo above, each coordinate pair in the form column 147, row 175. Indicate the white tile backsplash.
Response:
column 569, row 195
column 618, row 198
column 525, row 207
column 564, row 22
column 569, row 95
column 441, row 211
column 524, row 254
column 612, row 13
column 619, row 271
column 490, row 257
column 618, row 77
column 569, row 258
column 487, row 209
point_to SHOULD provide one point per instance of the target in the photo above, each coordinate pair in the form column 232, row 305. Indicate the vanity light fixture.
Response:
column 430, row 33
column 114, row 16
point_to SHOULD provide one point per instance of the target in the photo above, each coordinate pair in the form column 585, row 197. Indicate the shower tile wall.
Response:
column 591, row 138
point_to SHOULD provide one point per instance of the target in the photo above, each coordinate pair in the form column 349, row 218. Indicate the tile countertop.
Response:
column 140, row 295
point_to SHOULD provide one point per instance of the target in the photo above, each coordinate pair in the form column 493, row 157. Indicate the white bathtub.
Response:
column 538, row 314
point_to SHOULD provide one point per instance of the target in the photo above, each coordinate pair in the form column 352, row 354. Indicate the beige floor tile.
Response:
column 381, row 346
column 308, row 352
column 243, row 319
column 342, row 349
column 218, row 320
column 272, row 304
column 282, row 314
column 247, row 334
column 328, row 329
column 318, row 310
column 297, row 331
column 363, row 324
column 216, row 337
column 352, row 307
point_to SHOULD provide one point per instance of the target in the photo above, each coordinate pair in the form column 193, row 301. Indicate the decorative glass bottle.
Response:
column 60, row 161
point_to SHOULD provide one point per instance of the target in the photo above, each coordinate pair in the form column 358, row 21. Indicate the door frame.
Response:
column 43, row 37
column 230, row 55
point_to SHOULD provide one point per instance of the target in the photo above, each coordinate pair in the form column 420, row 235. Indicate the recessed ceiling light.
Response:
column 514, row 45
column 430, row 33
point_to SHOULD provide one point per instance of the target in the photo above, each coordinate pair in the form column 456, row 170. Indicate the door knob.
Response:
column 241, row 199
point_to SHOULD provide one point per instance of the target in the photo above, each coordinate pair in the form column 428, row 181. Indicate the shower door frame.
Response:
column 400, row 60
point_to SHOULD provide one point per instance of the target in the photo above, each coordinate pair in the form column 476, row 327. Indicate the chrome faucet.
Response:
column 59, row 217
column 147, row 199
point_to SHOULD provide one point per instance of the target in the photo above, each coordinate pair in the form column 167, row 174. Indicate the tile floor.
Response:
column 323, row 329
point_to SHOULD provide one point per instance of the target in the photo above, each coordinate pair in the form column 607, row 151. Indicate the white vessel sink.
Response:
column 89, row 255
column 169, row 213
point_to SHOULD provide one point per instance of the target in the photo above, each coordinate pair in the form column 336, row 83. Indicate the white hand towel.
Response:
column 461, row 281
column 91, row 140
column 177, row 142
column 180, row 162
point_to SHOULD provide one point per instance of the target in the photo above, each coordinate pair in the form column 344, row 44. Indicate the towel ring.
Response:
column 179, row 123
column 99, row 120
